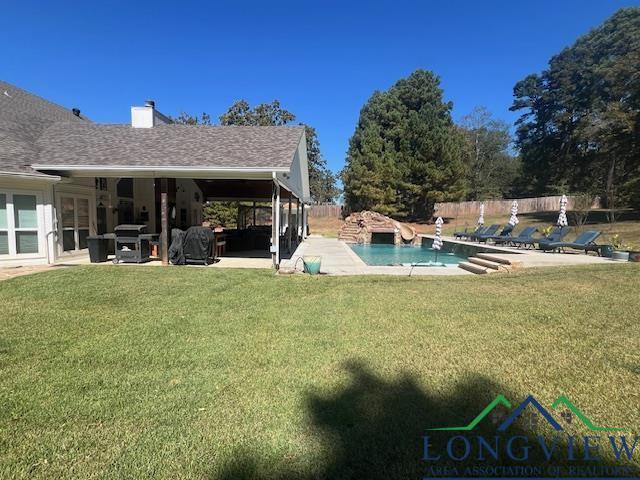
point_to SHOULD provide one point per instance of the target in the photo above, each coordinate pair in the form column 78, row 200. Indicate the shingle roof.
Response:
column 169, row 145
column 34, row 131
column 23, row 119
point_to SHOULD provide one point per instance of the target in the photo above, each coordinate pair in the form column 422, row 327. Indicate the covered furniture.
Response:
column 193, row 246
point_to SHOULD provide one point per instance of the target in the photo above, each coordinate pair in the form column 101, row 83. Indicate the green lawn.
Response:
column 125, row 372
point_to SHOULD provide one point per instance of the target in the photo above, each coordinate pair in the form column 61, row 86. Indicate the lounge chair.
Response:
column 556, row 235
column 525, row 235
column 584, row 241
column 505, row 233
column 488, row 232
column 467, row 234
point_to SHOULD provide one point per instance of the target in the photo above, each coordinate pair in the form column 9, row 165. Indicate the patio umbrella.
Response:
column 481, row 217
column 562, row 218
column 513, row 219
column 437, row 242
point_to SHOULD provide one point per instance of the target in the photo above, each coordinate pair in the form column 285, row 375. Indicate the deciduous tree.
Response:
column 491, row 170
column 580, row 127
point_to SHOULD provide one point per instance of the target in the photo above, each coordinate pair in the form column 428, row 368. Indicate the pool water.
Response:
column 405, row 254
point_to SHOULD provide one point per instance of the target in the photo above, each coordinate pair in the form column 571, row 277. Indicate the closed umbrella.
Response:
column 562, row 218
column 437, row 242
column 513, row 219
column 481, row 217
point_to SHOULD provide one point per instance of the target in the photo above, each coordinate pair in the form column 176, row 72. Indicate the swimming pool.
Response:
column 377, row 255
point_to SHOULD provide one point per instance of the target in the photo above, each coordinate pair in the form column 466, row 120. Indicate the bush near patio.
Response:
column 140, row 372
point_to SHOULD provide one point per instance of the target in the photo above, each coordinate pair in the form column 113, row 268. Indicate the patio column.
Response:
column 275, row 224
column 164, row 221
column 289, row 227
column 297, row 220
column 304, row 223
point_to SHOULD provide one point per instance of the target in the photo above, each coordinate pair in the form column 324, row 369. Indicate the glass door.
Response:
column 74, row 222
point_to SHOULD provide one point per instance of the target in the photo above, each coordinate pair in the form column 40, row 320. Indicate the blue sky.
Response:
column 321, row 59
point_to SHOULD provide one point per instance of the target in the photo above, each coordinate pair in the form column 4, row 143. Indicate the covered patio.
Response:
column 270, row 221
column 163, row 177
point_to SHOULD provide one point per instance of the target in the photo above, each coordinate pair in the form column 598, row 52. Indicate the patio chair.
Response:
column 505, row 233
column 525, row 235
column 467, row 233
column 584, row 241
column 488, row 232
column 556, row 235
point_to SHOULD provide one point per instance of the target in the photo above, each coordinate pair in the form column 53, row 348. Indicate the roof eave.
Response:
column 159, row 171
column 31, row 176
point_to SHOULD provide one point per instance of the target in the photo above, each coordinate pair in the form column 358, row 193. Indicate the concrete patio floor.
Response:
column 244, row 260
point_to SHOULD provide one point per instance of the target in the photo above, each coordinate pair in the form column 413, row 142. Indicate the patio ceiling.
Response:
column 252, row 190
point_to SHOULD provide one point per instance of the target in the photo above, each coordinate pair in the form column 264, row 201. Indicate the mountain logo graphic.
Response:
column 562, row 400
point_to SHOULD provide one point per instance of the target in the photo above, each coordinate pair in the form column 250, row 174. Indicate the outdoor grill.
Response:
column 132, row 244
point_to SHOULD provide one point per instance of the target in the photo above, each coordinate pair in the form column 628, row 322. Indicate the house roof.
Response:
column 23, row 119
column 165, row 146
column 36, row 132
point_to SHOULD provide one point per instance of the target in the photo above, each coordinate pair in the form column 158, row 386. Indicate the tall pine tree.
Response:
column 405, row 154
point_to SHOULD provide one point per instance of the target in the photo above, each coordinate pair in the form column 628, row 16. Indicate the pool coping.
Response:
column 339, row 259
column 493, row 248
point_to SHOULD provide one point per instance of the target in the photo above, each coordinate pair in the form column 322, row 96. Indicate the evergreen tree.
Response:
column 405, row 154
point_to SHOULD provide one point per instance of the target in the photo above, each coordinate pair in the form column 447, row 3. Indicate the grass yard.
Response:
column 127, row 372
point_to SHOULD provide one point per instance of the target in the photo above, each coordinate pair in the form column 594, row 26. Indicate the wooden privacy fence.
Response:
column 326, row 210
column 493, row 207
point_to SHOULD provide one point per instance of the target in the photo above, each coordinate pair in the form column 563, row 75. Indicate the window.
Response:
column 19, row 224
column 26, row 223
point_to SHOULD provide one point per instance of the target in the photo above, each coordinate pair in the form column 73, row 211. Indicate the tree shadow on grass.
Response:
column 375, row 429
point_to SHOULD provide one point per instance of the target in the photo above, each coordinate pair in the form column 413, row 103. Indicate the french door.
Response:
column 74, row 222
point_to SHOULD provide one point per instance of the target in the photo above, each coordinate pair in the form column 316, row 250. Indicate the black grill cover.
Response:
column 176, row 251
column 198, row 245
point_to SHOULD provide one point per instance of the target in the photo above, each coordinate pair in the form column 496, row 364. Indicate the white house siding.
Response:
column 144, row 199
column 188, row 208
column 42, row 191
column 297, row 180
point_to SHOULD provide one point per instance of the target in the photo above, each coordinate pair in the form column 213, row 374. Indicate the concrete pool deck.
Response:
column 339, row 259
